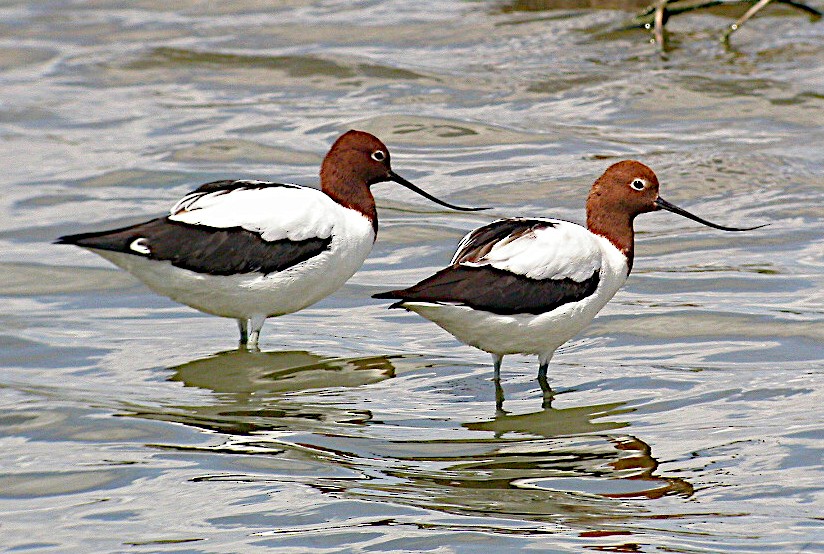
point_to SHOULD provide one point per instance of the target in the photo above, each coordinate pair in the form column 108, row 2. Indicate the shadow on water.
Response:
column 570, row 463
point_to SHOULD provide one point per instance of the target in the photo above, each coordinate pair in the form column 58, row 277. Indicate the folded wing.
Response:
column 228, row 227
column 515, row 266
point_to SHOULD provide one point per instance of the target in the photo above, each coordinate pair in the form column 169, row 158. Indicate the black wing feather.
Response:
column 491, row 289
column 204, row 249
column 483, row 239
column 230, row 185
column 495, row 290
column 217, row 188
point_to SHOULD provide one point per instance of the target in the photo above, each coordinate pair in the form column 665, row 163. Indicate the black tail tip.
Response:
column 391, row 295
column 67, row 239
column 385, row 295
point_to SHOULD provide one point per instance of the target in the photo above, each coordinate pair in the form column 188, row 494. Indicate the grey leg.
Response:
column 499, row 398
column 543, row 362
column 543, row 365
column 243, row 327
column 255, row 324
column 547, row 392
column 496, row 362
column 542, row 371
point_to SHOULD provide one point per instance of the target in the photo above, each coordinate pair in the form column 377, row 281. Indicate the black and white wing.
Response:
column 229, row 227
column 514, row 266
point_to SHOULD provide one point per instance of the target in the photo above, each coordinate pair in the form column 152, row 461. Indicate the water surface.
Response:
column 687, row 418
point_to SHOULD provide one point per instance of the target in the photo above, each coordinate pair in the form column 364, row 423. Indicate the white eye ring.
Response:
column 638, row 184
column 378, row 155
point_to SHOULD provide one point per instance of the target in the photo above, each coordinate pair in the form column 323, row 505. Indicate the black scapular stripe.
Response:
column 495, row 290
column 483, row 239
column 217, row 188
column 230, row 185
column 203, row 249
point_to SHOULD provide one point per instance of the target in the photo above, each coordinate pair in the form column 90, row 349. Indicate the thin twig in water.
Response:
column 744, row 18
column 660, row 20
column 656, row 15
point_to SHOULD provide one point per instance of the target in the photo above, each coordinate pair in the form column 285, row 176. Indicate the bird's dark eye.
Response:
column 638, row 184
column 378, row 155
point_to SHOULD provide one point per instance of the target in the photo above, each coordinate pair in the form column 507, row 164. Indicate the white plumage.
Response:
column 564, row 250
column 528, row 285
column 276, row 213
column 254, row 249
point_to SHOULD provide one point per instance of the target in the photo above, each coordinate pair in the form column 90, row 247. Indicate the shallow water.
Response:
column 687, row 418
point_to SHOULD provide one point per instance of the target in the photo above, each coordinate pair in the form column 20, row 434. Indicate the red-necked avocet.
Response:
column 528, row 285
column 250, row 250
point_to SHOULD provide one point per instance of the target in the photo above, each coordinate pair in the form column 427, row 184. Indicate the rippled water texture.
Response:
column 687, row 418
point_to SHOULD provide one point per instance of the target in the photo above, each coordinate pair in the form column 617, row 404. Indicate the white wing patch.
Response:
column 289, row 212
column 564, row 250
column 140, row 246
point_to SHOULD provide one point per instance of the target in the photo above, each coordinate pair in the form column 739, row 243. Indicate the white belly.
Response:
column 499, row 334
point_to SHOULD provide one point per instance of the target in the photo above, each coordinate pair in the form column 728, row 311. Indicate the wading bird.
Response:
column 528, row 285
column 250, row 250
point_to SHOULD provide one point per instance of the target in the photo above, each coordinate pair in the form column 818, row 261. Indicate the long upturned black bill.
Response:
column 401, row 181
column 663, row 204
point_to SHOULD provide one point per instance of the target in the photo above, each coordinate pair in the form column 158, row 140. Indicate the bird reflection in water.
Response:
column 555, row 462
column 629, row 459
column 239, row 371
column 547, row 394
column 255, row 390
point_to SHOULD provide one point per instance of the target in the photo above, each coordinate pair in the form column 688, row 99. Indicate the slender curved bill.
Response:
column 664, row 205
column 401, row 181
